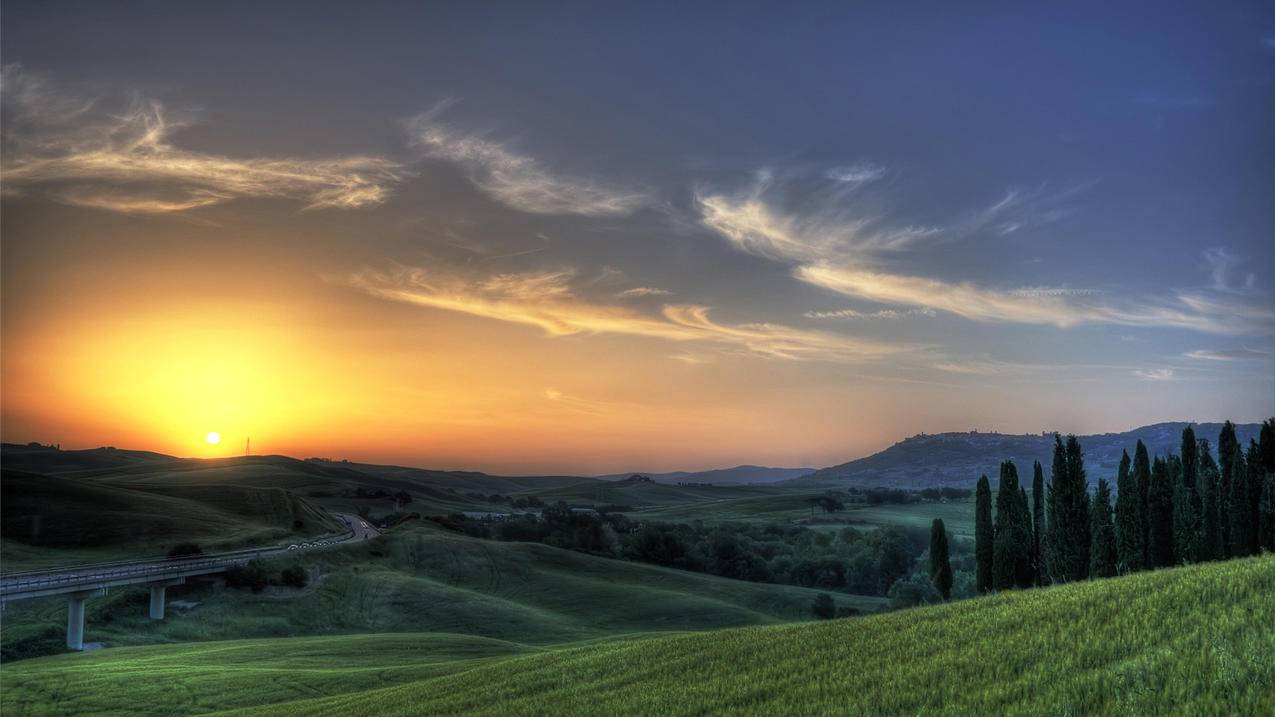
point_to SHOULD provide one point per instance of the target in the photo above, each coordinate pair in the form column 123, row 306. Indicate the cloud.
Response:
column 1228, row 354
column 640, row 291
column 832, row 250
column 860, row 173
column 1155, row 374
column 517, row 180
column 92, row 153
column 882, row 314
column 545, row 300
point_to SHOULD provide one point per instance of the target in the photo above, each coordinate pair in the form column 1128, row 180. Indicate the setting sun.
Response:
column 213, row 438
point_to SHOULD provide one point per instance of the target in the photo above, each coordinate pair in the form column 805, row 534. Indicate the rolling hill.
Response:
column 958, row 459
column 1192, row 640
column 420, row 577
column 738, row 475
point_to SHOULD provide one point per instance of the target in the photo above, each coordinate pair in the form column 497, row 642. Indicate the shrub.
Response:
column 185, row 550
column 252, row 576
column 824, row 608
column 294, row 576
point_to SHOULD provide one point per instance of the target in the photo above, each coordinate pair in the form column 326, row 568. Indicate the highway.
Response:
column 53, row 581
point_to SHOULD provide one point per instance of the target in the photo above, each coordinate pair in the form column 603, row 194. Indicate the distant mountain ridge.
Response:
column 958, row 459
column 740, row 475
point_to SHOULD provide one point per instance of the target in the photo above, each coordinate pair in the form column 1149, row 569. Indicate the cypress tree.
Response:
column 1067, row 540
column 1004, row 543
column 940, row 564
column 1226, row 445
column 1142, row 479
column 1256, row 478
column 1239, row 517
column 1038, row 522
column 1160, row 516
column 1211, row 526
column 1266, row 515
column 1185, row 517
column 1011, row 551
column 1102, row 547
column 1266, row 442
column 1129, row 549
column 1190, row 462
column 983, row 535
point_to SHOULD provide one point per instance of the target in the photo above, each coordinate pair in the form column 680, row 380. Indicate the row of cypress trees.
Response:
column 1178, row 509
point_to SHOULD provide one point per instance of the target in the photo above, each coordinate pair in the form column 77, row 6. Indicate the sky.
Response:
column 589, row 238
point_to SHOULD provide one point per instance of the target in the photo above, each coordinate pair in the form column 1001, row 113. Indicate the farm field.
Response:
column 1192, row 639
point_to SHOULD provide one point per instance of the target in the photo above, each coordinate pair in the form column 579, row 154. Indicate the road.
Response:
column 58, row 581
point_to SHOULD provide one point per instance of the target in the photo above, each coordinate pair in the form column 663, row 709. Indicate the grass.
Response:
column 52, row 520
column 784, row 505
column 1193, row 640
column 421, row 578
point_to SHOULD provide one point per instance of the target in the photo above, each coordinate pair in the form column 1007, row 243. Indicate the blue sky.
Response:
column 885, row 218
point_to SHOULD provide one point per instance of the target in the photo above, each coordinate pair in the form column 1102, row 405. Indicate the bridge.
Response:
column 79, row 583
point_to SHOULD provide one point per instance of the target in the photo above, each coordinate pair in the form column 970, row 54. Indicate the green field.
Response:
column 786, row 505
column 423, row 579
column 1193, row 640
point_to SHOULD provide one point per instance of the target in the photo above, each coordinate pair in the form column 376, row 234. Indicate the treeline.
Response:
column 1169, row 510
column 878, row 562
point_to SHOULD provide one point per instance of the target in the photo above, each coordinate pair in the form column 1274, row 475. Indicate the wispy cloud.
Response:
column 546, row 300
column 641, row 291
column 1155, row 374
column 860, row 173
column 98, row 153
column 882, row 314
column 517, row 180
column 830, row 249
column 1240, row 354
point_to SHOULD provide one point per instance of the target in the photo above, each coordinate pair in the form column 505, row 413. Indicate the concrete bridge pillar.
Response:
column 75, row 617
column 157, row 596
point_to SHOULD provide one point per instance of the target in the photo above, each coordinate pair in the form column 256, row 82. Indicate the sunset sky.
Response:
column 576, row 239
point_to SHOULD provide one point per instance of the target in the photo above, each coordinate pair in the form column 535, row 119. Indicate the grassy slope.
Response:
column 57, row 520
column 424, row 579
column 1194, row 640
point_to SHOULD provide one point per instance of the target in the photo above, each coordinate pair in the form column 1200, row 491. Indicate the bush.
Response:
column 294, row 576
column 185, row 550
column 252, row 576
column 824, row 608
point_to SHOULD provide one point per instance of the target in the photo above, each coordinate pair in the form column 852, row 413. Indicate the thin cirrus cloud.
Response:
column 88, row 152
column 546, row 300
column 643, row 291
column 1241, row 354
column 516, row 180
column 833, row 250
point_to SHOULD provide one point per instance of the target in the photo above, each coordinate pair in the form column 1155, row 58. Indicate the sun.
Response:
column 213, row 438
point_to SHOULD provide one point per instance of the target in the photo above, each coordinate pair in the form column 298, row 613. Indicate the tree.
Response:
column 1185, row 516
column 1142, row 479
column 940, row 564
column 1102, row 546
column 1190, row 533
column 1011, row 551
column 983, row 534
column 1226, row 446
column 1211, row 525
column 1130, row 551
column 1038, row 522
column 294, row 576
column 1160, row 516
column 1239, row 516
column 1256, row 479
column 185, row 550
column 824, row 608
column 1067, row 540
column 1266, row 516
